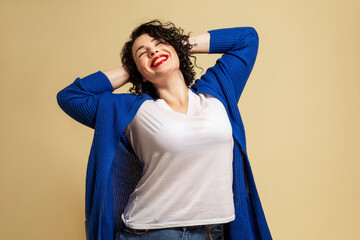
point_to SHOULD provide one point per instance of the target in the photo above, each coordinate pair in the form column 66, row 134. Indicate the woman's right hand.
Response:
column 117, row 76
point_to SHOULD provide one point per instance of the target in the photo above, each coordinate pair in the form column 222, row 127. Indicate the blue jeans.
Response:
column 203, row 232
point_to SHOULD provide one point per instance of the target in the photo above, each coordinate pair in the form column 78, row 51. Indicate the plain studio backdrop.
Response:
column 301, row 107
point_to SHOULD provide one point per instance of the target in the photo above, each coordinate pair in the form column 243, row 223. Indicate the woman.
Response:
column 169, row 161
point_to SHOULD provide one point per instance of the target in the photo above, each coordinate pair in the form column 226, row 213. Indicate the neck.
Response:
column 173, row 89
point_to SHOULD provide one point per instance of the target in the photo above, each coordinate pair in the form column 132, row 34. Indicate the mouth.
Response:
column 158, row 60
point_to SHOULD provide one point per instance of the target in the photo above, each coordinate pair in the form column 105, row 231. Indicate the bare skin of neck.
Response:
column 173, row 90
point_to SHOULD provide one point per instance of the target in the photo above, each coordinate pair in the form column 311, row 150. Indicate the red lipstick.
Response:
column 155, row 63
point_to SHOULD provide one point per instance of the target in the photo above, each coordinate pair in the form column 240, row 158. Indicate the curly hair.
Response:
column 172, row 35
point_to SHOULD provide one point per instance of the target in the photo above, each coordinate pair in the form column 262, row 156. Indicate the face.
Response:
column 154, row 58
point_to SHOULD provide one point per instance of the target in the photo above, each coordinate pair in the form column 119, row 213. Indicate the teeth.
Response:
column 158, row 60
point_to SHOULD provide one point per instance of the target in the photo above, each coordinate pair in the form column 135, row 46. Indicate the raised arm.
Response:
column 239, row 47
column 80, row 99
column 117, row 76
column 200, row 43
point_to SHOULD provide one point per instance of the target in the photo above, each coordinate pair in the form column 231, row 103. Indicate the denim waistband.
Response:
column 182, row 228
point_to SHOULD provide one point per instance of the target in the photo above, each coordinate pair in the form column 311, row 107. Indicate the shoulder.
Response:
column 123, row 102
column 123, row 98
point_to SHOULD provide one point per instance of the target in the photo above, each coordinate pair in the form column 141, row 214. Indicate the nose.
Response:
column 152, row 52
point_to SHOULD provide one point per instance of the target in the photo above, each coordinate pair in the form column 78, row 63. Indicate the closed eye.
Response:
column 160, row 42
column 142, row 54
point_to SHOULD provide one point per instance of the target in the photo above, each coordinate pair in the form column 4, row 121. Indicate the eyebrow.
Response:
column 154, row 39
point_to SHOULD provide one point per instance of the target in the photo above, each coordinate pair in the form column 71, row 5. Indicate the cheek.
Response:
column 140, row 65
column 177, row 60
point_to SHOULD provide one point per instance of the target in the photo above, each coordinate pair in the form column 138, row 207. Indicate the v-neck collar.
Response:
column 163, row 102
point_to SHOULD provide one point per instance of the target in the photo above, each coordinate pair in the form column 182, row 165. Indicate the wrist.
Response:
column 117, row 76
column 200, row 43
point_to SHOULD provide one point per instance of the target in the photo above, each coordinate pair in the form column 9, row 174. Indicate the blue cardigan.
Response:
column 113, row 168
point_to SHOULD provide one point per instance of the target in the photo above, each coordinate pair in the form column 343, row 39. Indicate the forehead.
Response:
column 141, row 40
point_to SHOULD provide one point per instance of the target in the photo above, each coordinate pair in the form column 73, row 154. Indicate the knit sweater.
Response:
column 113, row 168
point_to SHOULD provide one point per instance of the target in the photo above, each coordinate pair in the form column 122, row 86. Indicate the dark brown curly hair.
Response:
column 172, row 35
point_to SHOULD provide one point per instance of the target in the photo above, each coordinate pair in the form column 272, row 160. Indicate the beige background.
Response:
column 301, row 107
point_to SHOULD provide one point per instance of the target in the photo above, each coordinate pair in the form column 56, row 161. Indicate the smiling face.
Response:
column 154, row 58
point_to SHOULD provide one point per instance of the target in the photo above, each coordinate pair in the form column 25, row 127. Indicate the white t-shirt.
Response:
column 187, row 176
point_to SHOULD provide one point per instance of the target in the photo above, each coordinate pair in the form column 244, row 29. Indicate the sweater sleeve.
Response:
column 240, row 46
column 80, row 99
